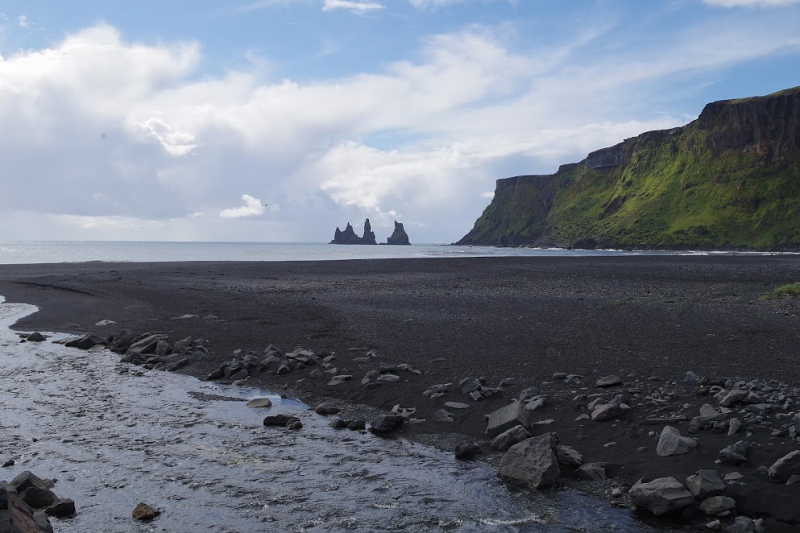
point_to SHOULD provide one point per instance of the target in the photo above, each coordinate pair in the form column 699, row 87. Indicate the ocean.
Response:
column 29, row 252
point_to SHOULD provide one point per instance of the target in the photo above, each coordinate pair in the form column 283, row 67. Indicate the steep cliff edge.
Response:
column 730, row 179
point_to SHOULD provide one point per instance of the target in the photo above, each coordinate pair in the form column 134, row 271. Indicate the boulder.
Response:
column 38, row 498
column 261, row 401
column 466, row 451
column 672, row 443
column 608, row 411
column 568, row 456
column 608, row 381
column 147, row 344
column 16, row 516
column 279, row 420
column 742, row 524
column 386, row 423
column 733, row 397
column 36, row 337
column 122, row 341
column 442, row 415
column 27, row 479
column 532, row 462
column 591, row 472
column 505, row 418
column 86, row 342
column 327, row 408
column 510, row 437
column 717, row 504
column 705, row 483
column 660, row 496
column 61, row 508
column 735, row 454
column 785, row 467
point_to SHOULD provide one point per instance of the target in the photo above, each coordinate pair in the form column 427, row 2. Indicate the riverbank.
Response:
column 518, row 322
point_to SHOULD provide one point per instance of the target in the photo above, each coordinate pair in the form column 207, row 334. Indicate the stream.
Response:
column 114, row 435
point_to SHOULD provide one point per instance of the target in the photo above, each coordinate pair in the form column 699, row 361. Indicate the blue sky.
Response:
column 160, row 121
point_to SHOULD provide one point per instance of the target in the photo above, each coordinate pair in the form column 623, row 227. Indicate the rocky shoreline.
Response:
column 715, row 451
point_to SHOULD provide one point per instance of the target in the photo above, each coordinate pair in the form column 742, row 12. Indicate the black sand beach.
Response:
column 648, row 319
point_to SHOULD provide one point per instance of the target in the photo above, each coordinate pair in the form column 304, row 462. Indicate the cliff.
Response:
column 730, row 179
column 348, row 236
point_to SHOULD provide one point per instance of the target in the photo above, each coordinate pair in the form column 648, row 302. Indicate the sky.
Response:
column 279, row 120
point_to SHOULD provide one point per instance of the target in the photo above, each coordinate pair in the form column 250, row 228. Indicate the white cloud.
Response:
column 114, row 139
column 488, row 194
column 351, row 5
column 251, row 207
column 750, row 3
column 22, row 22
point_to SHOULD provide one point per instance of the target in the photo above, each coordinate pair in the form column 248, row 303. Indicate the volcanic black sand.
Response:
column 648, row 319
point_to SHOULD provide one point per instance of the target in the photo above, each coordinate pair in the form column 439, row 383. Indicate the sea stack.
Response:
column 399, row 236
column 348, row 236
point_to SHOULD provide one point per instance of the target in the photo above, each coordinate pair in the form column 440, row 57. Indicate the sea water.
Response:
column 114, row 435
column 30, row 252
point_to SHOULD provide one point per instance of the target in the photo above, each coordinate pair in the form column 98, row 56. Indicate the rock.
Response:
column 122, row 341
column 337, row 380
column 144, row 512
column 608, row 411
column 734, row 425
column 660, row 496
column 717, row 504
column 27, row 479
column 742, row 524
column 591, row 472
column 388, row 378
column 261, row 401
column 466, row 451
column 357, row 425
column 568, row 456
column 672, row 443
column 504, row 419
column 510, row 437
column 532, row 462
column 399, row 235
column 456, row 405
column 732, row 397
column 36, row 337
column 785, row 467
column 735, row 454
column 442, row 416
column 608, row 381
column 37, row 497
column 315, row 374
column 279, row 420
column 86, row 342
column 386, row 423
column 294, row 425
column 177, row 365
column 691, row 377
column 327, row 408
column 17, row 517
column 61, row 508
column 147, row 344
column 705, row 483
column 348, row 236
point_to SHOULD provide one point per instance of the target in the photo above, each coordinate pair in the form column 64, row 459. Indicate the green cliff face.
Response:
column 730, row 179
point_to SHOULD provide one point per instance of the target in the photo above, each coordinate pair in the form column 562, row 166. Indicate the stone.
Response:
column 144, row 512
column 86, row 342
column 717, row 504
column 122, row 341
column 672, row 443
column 532, row 462
column 315, row 374
column 147, row 344
column 708, row 411
column 27, row 479
column 17, row 517
column 467, row 451
column 327, row 408
column 735, row 454
column 591, row 472
column 261, row 401
column 61, row 508
column 607, row 411
column 568, row 456
column 691, row 377
column 742, row 524
column 504, row 419
column 337, row 380
column 509, row 438
column 37, row 497
column 389, row 378
column 608, row 381
column 734, row 424
column 660, row 496
column 785, row 467
column 442, row 416
column 705, row 483
column 456, row 405
column 279, row 420
column 386, row 423
column 357, row 424
column 732, row 397
column 36, row 337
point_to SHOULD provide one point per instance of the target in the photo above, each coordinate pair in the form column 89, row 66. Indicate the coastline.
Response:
column 648, row 319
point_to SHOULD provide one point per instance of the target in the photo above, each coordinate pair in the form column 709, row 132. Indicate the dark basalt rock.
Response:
column 348, row 236
column 399, row 236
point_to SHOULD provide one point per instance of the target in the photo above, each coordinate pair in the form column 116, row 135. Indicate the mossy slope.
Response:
column 730, row 179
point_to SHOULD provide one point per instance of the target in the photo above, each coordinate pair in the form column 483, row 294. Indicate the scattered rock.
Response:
column 386, row 423
column 717, row 504
column 785, row 467
column 532, row 462
column 735, row 454
column 660, row 496
column 568, row 456
column 279, row 420
column 36, row 337
column 327, row 408
column 705, row 483
column 591, row 472
column 608, row 411
column 144, row 512
column 672, row 443
column 608, row 381
column 61, row 508
column 466, row 451
column 442, row 416
column 510, row 437
column 456, row 405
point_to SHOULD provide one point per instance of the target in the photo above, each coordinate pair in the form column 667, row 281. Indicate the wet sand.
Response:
column 648, row 319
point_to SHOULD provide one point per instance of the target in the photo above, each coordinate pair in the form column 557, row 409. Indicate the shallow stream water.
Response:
column 114, row 435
